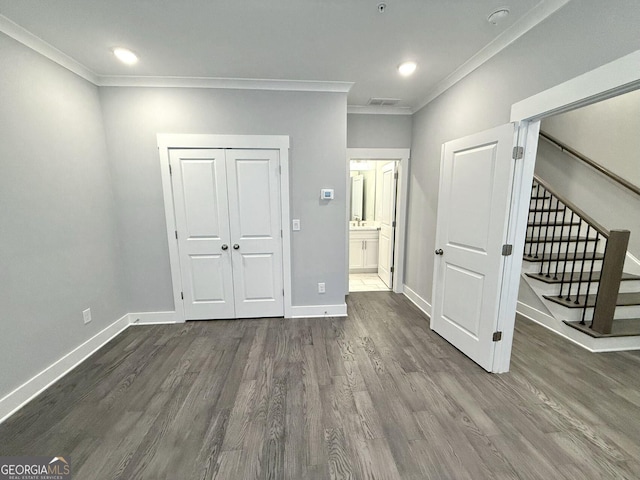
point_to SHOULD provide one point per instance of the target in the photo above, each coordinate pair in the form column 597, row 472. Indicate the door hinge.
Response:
column 283, row 292
column 280, row 169
column 176, row 234
column 391, row 269
column 393, row 224
column 170, row 172
column 497, row 336
column 182, row 295
column 395, row 176
column 518, row 153
column 280, row 233
column 507, row 250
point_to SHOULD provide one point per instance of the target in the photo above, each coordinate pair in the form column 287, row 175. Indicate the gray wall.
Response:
column 378, row 131
column 608, row 132
column 611, row 205
column 59, row 249
column 316, row 123
column 578, row 38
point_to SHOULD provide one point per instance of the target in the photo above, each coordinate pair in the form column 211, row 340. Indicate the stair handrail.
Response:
column 581, row 213
column 605, row 171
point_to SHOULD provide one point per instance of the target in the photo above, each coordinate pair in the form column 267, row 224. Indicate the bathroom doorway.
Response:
column 375, row 215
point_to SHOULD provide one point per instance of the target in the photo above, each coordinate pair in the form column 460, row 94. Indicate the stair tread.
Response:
column 624, row 300
column 540, row 197
column 572, row 238
column 562, row 257
column 577, row 276
column 624, row 327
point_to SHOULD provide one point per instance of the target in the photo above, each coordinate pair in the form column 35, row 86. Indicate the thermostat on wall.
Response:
column 326, row 194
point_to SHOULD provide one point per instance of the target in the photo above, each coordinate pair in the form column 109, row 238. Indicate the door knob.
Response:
column 224, row 246
column 236, row 246
column 439, row 251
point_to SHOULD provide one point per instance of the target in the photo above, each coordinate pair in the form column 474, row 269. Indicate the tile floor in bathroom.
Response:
column 366, row 282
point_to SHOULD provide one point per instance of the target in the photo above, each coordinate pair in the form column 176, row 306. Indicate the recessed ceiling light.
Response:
column 407, row 68
column 498, row 15
column 125, row 55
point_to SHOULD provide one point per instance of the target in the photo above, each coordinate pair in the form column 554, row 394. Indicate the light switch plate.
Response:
column 295, row 224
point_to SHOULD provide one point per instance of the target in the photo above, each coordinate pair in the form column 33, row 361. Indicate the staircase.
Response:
column 576, row 267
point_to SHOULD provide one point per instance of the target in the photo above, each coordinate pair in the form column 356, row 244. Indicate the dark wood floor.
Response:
column 375, row 395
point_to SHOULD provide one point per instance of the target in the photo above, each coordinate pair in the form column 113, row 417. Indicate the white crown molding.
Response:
column 45, row 49
column 378, row 110
column 227, row 83
column 540, row 12
column 536, row 15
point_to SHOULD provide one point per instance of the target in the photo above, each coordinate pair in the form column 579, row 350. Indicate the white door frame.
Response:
column 402, row 156
column 168, row 141
column 609, row 80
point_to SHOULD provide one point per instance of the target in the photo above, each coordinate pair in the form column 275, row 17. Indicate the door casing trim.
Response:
column 167, row 141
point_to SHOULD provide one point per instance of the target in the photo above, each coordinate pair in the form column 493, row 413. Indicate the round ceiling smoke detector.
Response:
column 497, row 16
column 382, row 7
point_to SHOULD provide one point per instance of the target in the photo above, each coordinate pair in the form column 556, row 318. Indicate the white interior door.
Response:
column 387, row 222
column 202, row 219
column 473, row 212
column 227, row 209
column 254, row 208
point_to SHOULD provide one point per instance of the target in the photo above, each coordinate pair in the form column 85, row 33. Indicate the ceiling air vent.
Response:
column 386, row 102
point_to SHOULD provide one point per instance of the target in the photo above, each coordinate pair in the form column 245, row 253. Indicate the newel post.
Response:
column 611, row 274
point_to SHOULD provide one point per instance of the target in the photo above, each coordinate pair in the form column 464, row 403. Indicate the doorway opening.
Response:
column 376, row 211
column 372, row 224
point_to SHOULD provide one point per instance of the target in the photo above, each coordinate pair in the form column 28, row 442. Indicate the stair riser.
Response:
column 542, row 288
column 544, row 218
column 532, row 231
column 575, row 314
column 534, row 267
column 561, row 247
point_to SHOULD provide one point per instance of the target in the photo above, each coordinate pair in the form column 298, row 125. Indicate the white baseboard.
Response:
column 417, row 300
column 153, row 318
column 314, row 311
column 613, row 344
column 26, row 392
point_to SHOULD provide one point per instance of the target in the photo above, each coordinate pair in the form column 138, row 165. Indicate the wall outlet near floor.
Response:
column 86, row 315
column 321, row 288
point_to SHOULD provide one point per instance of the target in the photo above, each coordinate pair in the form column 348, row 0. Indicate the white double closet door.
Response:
column 227, row 211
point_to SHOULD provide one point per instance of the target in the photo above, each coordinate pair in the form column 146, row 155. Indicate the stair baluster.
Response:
column 593, row 261
column 564, row 215
column 553, row 234
column 538, row 208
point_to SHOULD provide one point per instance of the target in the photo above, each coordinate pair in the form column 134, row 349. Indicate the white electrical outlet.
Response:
column 86, row 315
column 321, row 288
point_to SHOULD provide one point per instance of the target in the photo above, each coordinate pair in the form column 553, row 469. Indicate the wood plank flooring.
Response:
column 376, row 395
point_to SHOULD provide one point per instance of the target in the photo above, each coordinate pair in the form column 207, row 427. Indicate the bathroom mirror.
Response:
column 363, row 190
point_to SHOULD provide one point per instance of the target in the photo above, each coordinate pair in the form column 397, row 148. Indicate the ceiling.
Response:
column 319, row 40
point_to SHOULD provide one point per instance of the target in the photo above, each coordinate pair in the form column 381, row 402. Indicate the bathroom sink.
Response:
column 363, row 227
